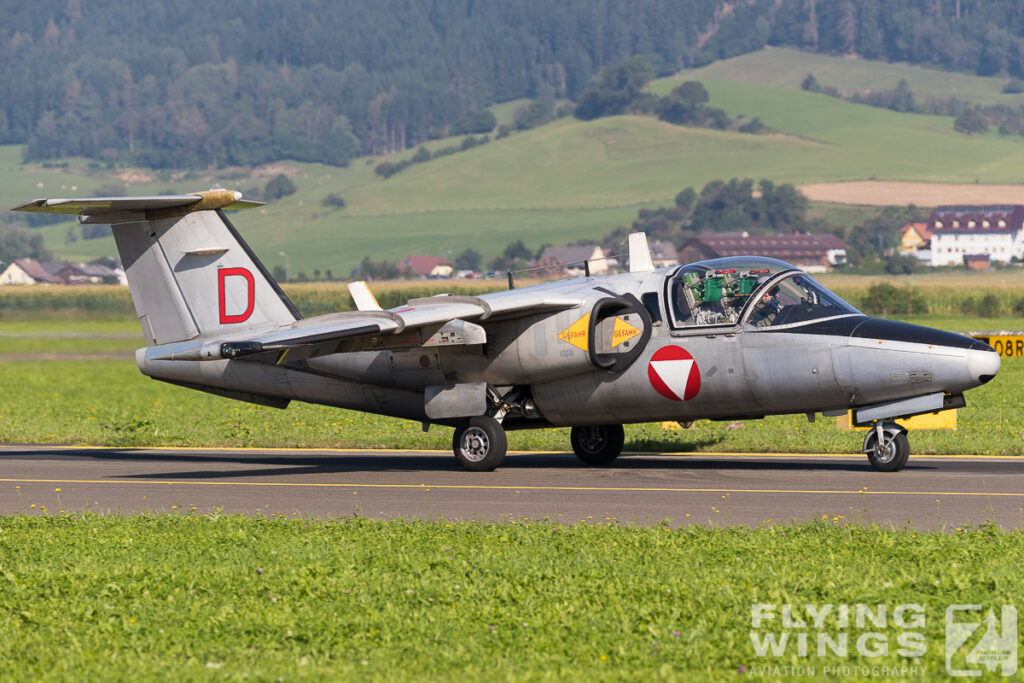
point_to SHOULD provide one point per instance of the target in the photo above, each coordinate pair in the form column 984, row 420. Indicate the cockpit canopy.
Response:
column 751, row 290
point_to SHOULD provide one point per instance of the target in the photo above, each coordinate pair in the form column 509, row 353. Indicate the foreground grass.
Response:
column 201, row 597
column 104, row 401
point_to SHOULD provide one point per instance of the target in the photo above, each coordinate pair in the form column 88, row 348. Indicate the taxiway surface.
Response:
column 931, row 492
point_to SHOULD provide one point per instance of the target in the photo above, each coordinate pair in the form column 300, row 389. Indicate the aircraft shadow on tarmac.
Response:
column 279, row 464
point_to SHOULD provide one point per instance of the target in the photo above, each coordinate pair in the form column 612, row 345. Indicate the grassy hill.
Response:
column 569, row 179
column 786, row 68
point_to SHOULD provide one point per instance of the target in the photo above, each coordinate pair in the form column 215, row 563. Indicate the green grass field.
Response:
column 786, row 68
column 211, row 597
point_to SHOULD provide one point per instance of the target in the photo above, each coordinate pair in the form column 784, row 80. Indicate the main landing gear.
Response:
column 887, row 446
column 597, row 446
column 480, row 444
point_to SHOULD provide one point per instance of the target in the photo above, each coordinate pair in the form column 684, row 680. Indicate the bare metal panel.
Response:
column 891, row 409
column 455, row 400
column 215, row 297
column 158, row 300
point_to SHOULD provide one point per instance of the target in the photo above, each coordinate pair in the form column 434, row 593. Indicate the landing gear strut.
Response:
column 597, row 445
column 480, row 444
column 887, row 447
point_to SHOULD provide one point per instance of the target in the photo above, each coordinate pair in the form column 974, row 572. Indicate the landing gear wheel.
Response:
column 480, row 445
column 894, row 451
column 597, row 445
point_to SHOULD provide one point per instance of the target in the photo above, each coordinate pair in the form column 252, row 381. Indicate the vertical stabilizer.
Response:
column 190, row 273
column 193, row 275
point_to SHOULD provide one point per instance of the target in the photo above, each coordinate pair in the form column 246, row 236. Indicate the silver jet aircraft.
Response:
column 724, row 339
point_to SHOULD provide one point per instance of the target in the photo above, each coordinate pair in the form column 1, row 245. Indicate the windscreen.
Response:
column 715, row 292
column 796, row 299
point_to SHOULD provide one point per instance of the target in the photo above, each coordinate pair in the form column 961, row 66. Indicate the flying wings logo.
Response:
column 233, row 287
column 674, row 373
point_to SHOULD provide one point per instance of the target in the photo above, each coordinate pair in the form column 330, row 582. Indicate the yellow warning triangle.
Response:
column 622, row 331
column 577, row 334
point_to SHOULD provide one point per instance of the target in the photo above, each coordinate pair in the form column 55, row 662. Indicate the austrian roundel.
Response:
column 674, row 374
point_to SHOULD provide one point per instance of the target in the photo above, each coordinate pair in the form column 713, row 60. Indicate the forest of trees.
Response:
column 178, row 84
column 175, row 84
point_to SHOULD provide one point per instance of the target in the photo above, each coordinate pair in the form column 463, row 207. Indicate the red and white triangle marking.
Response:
column 674, row 374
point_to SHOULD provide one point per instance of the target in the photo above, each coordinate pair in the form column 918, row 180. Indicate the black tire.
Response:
column 597, row 446
column 480, row 444
column 887, row 459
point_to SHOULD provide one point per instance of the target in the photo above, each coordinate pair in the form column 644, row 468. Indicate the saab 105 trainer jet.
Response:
column 724, row 339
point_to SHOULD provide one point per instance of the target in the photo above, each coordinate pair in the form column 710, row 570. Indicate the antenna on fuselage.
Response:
column 639, row 253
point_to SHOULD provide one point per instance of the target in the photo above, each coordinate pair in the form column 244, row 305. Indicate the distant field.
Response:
column 898, row 192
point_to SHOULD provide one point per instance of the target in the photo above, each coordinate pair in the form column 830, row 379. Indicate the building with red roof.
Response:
column 959, row 231
column 426, row 266
column 813, row 253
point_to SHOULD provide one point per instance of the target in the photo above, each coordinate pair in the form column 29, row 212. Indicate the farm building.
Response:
column 31, row 272
column 573, row 257
column 26, row 271
column 85, row 273
column 916, row 241
column 915, row 236
column 663, row 253
column 961, row 231
column 426, row 266
column 813, row 253
column 977, row 261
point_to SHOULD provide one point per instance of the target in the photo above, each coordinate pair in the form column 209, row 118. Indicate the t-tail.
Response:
column 190, row 273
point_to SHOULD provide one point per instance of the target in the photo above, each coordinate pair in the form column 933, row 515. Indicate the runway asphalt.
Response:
column 720, row 489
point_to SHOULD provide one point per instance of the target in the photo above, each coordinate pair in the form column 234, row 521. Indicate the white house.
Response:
column 961, row 231
column 26, row 271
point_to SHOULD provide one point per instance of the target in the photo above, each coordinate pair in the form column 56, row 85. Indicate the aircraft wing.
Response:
column 427, row 322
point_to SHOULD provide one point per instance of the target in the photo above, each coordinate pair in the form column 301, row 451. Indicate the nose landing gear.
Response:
column 887, row 446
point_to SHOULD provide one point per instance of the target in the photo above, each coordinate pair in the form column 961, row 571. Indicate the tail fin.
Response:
column 190, row 273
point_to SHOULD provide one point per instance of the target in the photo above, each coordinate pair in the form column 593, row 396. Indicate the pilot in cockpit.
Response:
column 767, row 308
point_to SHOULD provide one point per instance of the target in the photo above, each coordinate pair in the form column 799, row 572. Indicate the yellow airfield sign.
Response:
column 1007, row 344
column 944, row 419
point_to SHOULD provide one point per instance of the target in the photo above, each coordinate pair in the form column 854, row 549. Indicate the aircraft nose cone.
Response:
column 983, row 364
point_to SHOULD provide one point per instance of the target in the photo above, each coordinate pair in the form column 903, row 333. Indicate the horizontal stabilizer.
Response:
column 112, row 210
